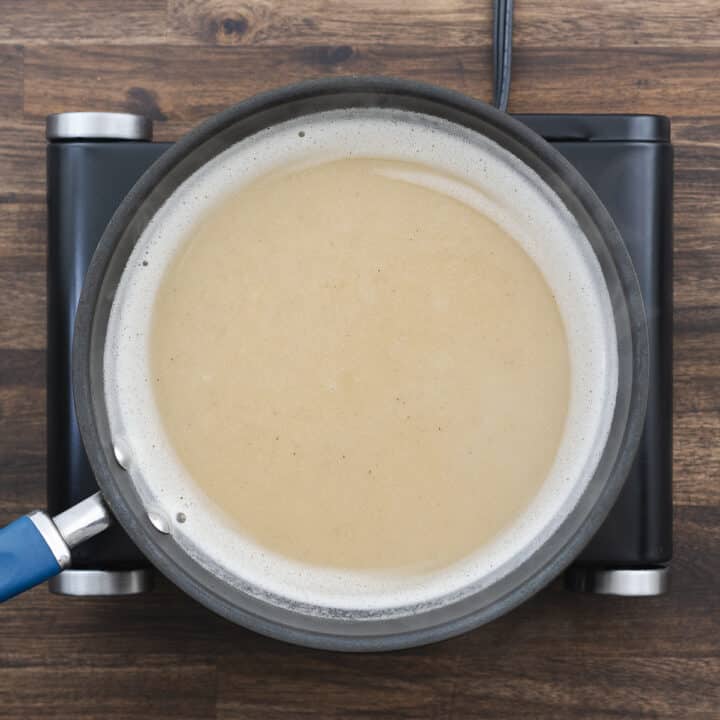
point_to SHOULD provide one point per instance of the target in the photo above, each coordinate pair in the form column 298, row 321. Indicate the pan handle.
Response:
column 35, row 547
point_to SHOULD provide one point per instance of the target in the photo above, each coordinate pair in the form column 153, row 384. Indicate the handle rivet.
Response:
column 122, row 456
column 159, row 522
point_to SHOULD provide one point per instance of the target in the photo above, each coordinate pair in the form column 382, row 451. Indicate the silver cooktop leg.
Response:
column 98, row 126
column 102, row 582
column 633, row 582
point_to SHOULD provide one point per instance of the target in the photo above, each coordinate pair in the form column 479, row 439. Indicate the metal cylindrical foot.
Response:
column 86, row 583
column 628, row 582
column 93, row 126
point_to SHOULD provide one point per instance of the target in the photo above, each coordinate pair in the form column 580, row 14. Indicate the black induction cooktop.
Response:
column 93, row 159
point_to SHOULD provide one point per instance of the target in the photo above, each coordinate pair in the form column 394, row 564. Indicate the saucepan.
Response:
column 36, row 546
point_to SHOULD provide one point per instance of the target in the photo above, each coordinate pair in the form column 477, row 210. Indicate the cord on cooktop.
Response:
column 502, row 52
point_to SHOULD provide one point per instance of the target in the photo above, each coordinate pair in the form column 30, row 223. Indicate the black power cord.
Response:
column 502, row 52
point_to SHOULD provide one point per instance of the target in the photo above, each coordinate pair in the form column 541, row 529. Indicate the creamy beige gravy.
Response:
column 359, row 371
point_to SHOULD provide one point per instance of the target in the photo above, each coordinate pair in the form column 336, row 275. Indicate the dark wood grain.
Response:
column 450, row 23
column 22, row 163
column 559, row 655
column 78, row 20
column 11, row 81
column 318, row 22
column 169, row 82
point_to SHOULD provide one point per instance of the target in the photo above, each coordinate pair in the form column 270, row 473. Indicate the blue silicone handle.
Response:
column 25, row 558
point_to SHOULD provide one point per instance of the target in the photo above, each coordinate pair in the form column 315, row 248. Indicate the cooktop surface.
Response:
column 93, row 160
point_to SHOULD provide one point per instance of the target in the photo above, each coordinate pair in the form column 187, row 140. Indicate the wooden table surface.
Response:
column 559, row 655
